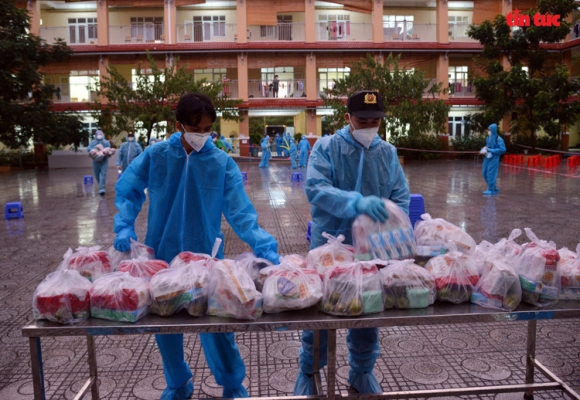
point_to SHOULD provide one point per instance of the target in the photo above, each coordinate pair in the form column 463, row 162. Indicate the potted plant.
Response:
column 255, row 144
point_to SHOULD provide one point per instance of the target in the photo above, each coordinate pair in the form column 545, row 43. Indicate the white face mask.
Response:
column 488, row 133
column 130, row 138
column 364, row 136
column 99, row 137
column 196, row 140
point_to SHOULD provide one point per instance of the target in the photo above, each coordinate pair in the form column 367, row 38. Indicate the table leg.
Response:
column 316, row 363
column 530, row 357
column 93, row 367
column 331, row 378
column 37, row 370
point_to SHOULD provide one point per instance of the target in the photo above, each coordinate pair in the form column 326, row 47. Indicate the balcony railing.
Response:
column 281, row 32
column 258, row 88
column 230, row 89
column 411, row 32
column 432, row 81
column 73, row 93
column 132, row 34
column 72, row 35
column 458, row 33
column 461, row 89
column 344, row 31
column 219, row 32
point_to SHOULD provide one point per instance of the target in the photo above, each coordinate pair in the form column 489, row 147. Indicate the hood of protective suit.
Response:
column 175, row 140
column 345, row 133
column 493, row 129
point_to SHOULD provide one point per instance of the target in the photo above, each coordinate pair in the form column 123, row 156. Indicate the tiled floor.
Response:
column 61, row 212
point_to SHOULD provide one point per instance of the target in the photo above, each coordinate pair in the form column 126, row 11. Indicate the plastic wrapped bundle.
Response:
column 391, row 240
column 289, row 287
column 455, row 275
column 142, row 267
column 499, row 285
column 407, row 285
column 567, row 254
column 63, row 297
column 232, row 292
column 90, row 262
column 438, row 232
column 186, row 257
column 182, row 287
column 137, row 250
column 509, row 248
column 253, row 265
column 334, row 252
column 537, row 267
column 352, row 289
column 295, row 259
column 480, row 253
column 99, row 153
column 119, row 296
column 569, row 271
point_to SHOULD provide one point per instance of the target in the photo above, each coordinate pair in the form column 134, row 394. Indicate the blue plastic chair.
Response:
column 296, row 176
column 244, row 176
column 88, row 179
column 416, row 208
column 13, row 210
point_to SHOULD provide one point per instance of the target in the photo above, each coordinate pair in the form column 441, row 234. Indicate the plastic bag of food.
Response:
column 407, row 285
column 537, row 267
column 352, row 289
column 295, row 259
column 455, row 275
column 90, row 262
column 499, row 285
column 142, row 267
column 289, row 287
column 569, row 271
column 253, row 265
column 332, row 253
column 63, row 296
column 232, row 292
column 138, row 249
column 509, row 248
column 119, row 296
column 391, row 240
column 438, row 232
column 182, row 287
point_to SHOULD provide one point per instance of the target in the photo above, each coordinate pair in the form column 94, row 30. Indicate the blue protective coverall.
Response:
column 495, row 148
column 304, row 147
column 265, row 144
column 279, row 142
column 287, row 140
column 100, row 167
column 293, row 153
column 127, row 153
column 187, row 196
column 227, row 143
column 153, row 140
column 339, row 174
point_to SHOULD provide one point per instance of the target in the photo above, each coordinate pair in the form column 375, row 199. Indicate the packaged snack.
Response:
column 181, row 287
column 137, row 250
column 438, row 232
column 99, row 153
column 289, row 287
column 332, row 253
column 90, row 262
column 119, row 296
column 63, row 296
column 455, row 275
column 407, row 285
column 391, row 240
column 537, row 267
column 352, row 289
column 569, row 271
column 499, row 285
column 142, row 267
column 509, row 248
column 232, row 292
column 566, row 254
column 253, row 265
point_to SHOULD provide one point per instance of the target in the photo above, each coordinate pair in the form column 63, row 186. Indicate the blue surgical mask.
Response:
column 99, row 137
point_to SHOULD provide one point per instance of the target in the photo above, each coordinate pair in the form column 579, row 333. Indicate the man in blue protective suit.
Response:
column 227, row 144
column 153, row 140
column 265, row 145
column 100, row 166
column 128, row 152
column 190, row 185
column 279, row 142
column 304, row 148
column 494, row 148
column 347, row 175
column 293, row 153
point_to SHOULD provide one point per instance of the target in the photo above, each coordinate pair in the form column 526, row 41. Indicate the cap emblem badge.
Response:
column 370, row 98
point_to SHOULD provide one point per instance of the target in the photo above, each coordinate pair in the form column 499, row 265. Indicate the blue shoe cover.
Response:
column 239, row 393
column 364, row 382
column 181, row 393
column 488, row 192
column 304, row 385
column 495, row 191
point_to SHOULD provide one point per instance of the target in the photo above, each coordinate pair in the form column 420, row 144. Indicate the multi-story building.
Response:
column 244, row 43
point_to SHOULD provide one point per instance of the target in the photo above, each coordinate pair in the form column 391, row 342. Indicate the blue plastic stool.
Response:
column 308, row 232
column 244, row 176
column 13, row 210
column 296, row 176
column 416, row 208
column 88, row 179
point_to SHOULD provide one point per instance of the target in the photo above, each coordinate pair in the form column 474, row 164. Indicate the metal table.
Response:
column 438, row 314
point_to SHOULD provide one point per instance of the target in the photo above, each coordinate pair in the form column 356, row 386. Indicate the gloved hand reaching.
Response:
column 123, row 239
column 372, row 206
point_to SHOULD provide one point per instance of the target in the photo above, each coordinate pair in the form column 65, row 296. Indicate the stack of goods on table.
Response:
column 99, row 153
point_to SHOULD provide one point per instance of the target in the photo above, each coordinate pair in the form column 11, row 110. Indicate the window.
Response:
column 206, row 27
column 458, row 127
column 398, row 26
column 458, row 26
column 327, row 77
column 148, row 29
column 209, row 74
column 147, row 72
column 333, row 27
column 459, row 83
column 82, row 30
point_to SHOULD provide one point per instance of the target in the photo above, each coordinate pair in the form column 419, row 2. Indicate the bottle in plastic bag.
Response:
column 407, row 285
column 499, row 286
column 437, row 232
column 332, row 253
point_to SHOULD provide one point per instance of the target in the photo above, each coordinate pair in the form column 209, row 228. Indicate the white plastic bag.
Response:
column 119, row 296
column 438, row 232
column 142, row 267
column 295, row 259
column 391, row 240
column 253, row 265
column 90, row 262
column 569, row 272
column 509, row 248
column 499, row 285
column 289, row 287
column 138, row 249
column 407, row 285
column 332, row 253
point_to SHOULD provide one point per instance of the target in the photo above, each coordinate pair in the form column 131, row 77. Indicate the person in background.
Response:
column 348, row 174
column 129, row 151
column 265, row 145
column 227, row 144
column 494, row 148
column 100, row 166
column 293, row 153
column 275, row 86
column 153, row 140
column 304, row 148
column 279, row 142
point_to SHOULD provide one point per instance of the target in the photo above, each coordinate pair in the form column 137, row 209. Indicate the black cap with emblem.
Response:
column 366, row 104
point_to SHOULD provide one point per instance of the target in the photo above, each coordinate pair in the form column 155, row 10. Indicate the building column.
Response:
column 103, row 23
column 506, row 8
column 442, row 21
column 443, row 74
column 311, row 123
column 311, row 77
column 378, row 35
column 244, row 133
column 103, row 73
column 170, row 22
column 34, row 12
column 309, row 22
column 567, row 60
column 243, row 76
column 242, row 24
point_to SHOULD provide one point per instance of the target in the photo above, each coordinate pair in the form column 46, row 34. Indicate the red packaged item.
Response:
column 63, row 297
column 142, row 267
column 137, row 250
column 186, row 257
column 118, row 296
column 90, row 262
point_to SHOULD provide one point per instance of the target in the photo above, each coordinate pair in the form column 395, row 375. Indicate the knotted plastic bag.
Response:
column 289, row 287
column 253, row 265
column 63, row 297
column 142, row 267
column 537, row 266
column 90, row 262
column 391, row 240
column 332, row 253
column 438, row 232
column 295, row 259
column 569, row 271
column 352, row 289
column 499, row 285
column 407, row 285
column 509, row 248
column 119, row 296
column 138, row 249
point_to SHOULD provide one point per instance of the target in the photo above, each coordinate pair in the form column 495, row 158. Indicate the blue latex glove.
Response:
column 123, row 239
column 372, row 206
